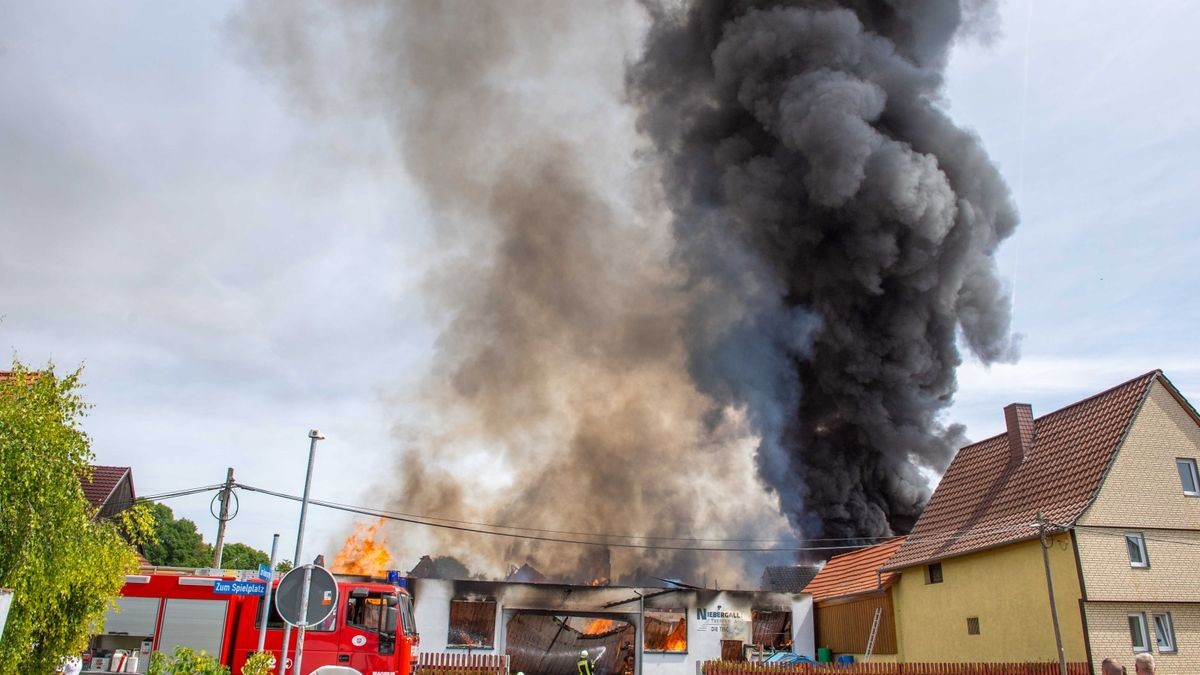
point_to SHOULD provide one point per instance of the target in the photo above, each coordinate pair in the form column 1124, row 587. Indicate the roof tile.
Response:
column 989, row 496
column 855, row 572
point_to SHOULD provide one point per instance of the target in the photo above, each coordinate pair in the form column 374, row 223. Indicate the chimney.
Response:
column 1018, row 417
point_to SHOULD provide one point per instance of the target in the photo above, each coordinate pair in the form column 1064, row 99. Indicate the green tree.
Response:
column 284, row 566
column 64, row 566
column 177, row 542
column 242, row 557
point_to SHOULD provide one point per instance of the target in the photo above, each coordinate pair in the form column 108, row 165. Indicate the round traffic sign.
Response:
column 322, row 596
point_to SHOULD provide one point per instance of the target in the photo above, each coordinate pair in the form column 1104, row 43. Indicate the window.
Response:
column 771, row 628
column 367, row 612
column 665, row 630
column 1136, row 543
column 1164, row 632
column 973, row 625
column 1137, row 633
column 1188, row 476
column 472, row 624
column 933, row 573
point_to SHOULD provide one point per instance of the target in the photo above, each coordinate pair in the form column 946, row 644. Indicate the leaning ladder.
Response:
column 874, row 632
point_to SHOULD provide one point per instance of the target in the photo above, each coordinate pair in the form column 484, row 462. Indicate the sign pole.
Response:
column 304, row 617
column 266, row 598
column 313, row 436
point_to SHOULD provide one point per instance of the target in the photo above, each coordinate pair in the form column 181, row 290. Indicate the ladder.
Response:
column 874, row 632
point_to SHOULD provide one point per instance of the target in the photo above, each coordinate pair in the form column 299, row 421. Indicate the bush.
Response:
column 259, row 663
column 185, row 661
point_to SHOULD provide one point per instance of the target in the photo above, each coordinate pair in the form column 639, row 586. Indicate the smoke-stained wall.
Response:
column 700, row 266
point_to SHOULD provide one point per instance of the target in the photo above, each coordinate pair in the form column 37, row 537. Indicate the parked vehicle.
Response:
column 371, row 631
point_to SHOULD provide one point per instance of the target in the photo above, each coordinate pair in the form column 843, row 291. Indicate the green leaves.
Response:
column 176, row 543
column 185, row 661
column 63, row 566
column 242, row 557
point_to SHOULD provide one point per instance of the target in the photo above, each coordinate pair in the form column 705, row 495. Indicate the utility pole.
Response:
column 219, row 547
column 1062, row 656
column 313, row 436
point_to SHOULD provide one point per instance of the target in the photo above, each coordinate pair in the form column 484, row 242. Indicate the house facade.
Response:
column 1114, row 480
column 848, row 593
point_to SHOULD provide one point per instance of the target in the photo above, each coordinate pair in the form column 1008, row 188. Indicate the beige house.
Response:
column 1116, row 474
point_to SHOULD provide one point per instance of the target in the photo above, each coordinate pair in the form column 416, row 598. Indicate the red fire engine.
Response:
column 371, row 632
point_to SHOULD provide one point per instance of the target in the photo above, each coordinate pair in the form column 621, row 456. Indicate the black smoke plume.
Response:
column 699, row 286
column 815, row 180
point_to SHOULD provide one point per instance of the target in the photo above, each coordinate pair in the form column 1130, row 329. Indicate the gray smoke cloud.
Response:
column 816, row 180
column 699, row 274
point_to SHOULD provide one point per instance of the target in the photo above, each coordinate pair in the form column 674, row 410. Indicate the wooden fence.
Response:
column 464, row 663
column 732, row 668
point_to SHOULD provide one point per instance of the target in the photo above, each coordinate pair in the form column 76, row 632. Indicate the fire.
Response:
column 677, row 640
column 598, row 627
column 599, row 581
column 365, row 552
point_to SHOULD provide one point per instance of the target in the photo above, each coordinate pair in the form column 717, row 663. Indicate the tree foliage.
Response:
column 63, row 566
column 242, row 557
column 185, row 661
column 177, row 542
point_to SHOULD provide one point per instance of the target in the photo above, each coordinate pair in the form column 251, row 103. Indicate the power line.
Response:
column 476, row 529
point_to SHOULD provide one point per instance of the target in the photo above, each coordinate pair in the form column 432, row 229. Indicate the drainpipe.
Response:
column 641, row 630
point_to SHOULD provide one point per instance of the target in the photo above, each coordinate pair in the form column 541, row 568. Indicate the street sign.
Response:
column 264, row 572
column 238, row 587
column 322, row 596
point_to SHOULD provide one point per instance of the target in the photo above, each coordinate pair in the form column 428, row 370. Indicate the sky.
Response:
column 230, row 274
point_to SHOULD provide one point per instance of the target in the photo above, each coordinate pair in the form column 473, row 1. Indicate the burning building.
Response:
column 542, row 627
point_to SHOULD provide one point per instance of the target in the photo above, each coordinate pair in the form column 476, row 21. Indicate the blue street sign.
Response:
column 238, row 588
column 264, row 572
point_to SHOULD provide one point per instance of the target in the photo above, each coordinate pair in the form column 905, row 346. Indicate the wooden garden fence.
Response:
column 734, row 668
column 461, row 663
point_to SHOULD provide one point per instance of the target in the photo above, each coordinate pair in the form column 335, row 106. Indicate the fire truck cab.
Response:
column 371, row 631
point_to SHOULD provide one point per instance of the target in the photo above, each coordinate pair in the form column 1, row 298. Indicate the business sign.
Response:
column 732, row 624
column 238, row 587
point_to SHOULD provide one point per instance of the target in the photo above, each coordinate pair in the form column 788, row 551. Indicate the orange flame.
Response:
column 598, row 627
column 364, row 553
column 677, row 640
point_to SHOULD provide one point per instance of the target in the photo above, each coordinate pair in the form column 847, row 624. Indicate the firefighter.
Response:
column 585, row 665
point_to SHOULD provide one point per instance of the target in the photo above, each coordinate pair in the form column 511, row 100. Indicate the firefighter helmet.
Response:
column 583, row 654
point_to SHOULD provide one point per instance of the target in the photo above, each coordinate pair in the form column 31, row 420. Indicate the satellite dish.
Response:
column 322, row 596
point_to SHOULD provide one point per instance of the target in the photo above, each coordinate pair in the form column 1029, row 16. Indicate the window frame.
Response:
column 972, row 625
column 1172, row 646
column 1189, row 464
column 672, row 616
column 1138, row 538
column 929, row 573
column 487, row 640
column 1140, row 617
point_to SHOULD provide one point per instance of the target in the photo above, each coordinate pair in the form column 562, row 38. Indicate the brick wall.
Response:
column 1143, row 493
column 1108, row 633
column 1143, row 487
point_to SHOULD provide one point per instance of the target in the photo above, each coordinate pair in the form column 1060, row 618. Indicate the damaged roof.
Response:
column 854, row 573
column 990, row 495
column 788, row 578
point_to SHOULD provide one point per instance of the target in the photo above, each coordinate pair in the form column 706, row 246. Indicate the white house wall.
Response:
column 728, row 615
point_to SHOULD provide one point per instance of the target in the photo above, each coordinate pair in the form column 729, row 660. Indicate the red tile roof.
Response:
column 854, row 573
column 989, row 496
column 104, row 480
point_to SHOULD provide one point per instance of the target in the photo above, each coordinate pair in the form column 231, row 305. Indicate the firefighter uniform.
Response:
column 585, row 665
